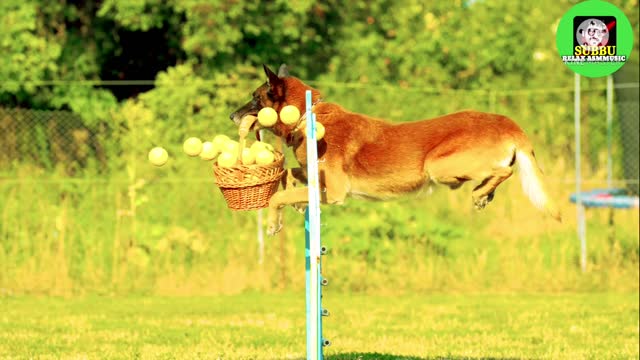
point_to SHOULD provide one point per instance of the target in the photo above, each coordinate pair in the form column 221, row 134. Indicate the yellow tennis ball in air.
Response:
column 289, row 114
column 267, row 117
column 158, row 156
column 192, row 146
column 218, row 140
column 209, row 151
column 227, row 159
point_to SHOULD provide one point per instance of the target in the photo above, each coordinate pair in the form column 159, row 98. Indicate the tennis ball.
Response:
column 192, row 146
column 209, row 151
column 267, row 117
column 264, row 157
column 257, row 146
column 231, row 146
column 248, row 157
column 319, row 131
column 158, row 156
column 289, row 114
column 251, row 177
column 218, row 140
column 227, row 159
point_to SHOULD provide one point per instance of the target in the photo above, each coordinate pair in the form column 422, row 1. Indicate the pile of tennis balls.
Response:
column 227, row 151
column 222, row 148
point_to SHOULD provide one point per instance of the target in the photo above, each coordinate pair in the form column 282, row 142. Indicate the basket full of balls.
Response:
column 246, row 185
column 246, row 176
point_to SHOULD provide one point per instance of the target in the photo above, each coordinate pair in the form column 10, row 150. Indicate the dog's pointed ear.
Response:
column 283, row 71
column 271, row 76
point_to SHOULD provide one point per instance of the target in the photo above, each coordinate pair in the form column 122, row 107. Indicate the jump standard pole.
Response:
column 313, row 248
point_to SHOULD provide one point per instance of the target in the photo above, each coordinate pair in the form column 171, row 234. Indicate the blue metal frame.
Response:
column 611, row 198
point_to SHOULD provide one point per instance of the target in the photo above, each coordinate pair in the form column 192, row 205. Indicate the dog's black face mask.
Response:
column 267, row 95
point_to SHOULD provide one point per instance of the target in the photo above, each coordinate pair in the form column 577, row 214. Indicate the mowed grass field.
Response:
column 257, row 326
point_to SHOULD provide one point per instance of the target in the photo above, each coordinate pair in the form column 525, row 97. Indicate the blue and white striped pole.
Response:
column 312, row 242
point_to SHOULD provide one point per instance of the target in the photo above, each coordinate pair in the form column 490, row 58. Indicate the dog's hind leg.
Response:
column 483, row 193
column 453, row 182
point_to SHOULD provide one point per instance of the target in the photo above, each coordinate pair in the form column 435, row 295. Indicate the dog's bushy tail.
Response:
column 533, row 185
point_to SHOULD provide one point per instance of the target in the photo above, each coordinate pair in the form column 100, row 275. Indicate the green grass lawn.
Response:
column 255, row 326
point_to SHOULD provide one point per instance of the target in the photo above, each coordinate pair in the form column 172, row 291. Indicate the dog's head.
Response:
column 280, row 90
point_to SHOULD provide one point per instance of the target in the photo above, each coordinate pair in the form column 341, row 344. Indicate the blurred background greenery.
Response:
column 88, row 87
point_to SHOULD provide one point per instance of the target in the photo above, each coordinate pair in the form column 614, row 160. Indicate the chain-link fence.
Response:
column 46, row 139
column 627, row 109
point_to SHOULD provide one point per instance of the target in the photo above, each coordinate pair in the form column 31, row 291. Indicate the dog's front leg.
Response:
column 295, row 177
column 281, row 199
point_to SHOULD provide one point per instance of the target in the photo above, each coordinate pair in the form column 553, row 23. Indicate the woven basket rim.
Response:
column 277, row 162
column 236, row 176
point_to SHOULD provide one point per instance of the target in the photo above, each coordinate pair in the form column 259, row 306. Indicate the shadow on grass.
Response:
column 379, row 356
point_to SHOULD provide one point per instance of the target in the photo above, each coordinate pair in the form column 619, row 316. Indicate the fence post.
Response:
column 609, row 131
column 579, row 207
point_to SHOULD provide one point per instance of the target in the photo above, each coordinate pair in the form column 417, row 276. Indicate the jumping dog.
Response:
column 371, row 158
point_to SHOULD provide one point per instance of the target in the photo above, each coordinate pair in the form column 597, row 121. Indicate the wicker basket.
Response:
column 249, row 187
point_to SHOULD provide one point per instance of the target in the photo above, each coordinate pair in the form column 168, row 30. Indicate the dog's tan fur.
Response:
column 361, row 156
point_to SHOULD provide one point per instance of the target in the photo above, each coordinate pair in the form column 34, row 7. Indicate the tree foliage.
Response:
column 200, row 58
column 456, row 44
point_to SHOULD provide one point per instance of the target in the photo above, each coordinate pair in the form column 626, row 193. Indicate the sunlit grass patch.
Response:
column 255, row 326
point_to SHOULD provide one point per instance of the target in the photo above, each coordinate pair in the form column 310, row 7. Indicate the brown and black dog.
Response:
column 371, row 158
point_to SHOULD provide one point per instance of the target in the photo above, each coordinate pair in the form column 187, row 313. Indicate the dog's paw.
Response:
column 274, row 221
column 301, row 208
column 273, row 229
column 481, row 202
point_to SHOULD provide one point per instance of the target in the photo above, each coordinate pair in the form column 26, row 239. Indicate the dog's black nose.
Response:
column 232, row 116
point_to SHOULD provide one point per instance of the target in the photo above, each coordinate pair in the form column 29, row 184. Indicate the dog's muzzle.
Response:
column 236, row 117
